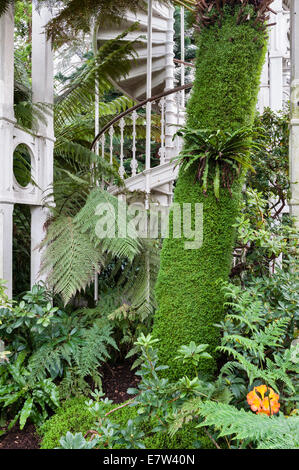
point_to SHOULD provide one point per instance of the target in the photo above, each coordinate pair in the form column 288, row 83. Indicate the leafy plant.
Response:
column 271, row 162
column 193, row 353
column 265, row 242
column 258, row 343
column 4, row 300
column 76, row 441
column 153, row 403
column 221, row 153
column 58, row 345
column 23, row 397
column 246, row 428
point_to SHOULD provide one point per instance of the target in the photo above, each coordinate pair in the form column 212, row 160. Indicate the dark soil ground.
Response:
column 116, row 380
column 16, row 439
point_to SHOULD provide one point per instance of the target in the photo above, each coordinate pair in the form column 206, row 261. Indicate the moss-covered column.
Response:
column 190, row 301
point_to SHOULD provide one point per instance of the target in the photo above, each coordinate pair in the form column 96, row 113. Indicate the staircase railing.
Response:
column 119, row 137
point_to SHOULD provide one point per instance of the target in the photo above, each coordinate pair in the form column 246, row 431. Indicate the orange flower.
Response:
column 263, row 400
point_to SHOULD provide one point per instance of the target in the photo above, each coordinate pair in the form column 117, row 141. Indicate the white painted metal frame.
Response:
column 40, row 145
column 294, row 124
column 275, row 80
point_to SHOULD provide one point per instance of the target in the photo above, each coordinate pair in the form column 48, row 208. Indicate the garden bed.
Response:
column 116, row 381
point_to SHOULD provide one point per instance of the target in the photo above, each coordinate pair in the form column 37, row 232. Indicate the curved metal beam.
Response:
column 137, row 106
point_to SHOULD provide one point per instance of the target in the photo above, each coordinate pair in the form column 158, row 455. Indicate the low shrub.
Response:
column 74, row 416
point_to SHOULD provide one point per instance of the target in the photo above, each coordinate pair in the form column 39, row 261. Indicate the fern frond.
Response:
column 138, row 281
column 273, row 334
column 245, row 425
column 247, row 343
column 94, row 349
column 70, row 258
column 77, row 154
column 112, row 61
column 112, row 241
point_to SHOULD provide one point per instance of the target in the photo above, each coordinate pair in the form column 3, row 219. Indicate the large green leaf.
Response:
column 26, row 411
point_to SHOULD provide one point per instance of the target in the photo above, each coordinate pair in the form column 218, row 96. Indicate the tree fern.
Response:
column 73, row 250
column 70, row 258
column 117, row 242
column 112, row 61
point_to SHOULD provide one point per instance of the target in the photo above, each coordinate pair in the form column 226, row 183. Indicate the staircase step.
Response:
column 134, row 84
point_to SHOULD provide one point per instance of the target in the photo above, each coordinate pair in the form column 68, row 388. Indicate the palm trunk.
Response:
column 189, row 295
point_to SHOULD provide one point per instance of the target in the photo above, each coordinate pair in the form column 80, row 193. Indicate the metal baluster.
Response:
column 111, row 133
column 134, row 163
column 148, row 95
column 162, row 148
column 121, row 170
column 178, row 102
column 103, row 139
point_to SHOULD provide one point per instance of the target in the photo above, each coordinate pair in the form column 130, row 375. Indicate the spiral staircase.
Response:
column 134, row 85
column 155, row 58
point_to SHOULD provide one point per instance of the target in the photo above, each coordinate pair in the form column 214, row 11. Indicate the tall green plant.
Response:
column 231, row 50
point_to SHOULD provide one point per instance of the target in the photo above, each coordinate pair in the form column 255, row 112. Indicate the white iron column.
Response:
column 148, row 95
column 276, row 57
column 6, row 145
column 7, row 65
column 42, row 89
column 96, row 131
column 183, row 53
column 263, row 97
column 170, row 107
column 6, row 234
column 294, row 124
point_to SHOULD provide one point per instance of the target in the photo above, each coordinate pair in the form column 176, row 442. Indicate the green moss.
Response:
column 74, row 416
column 188, row 289
column 185, row 438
